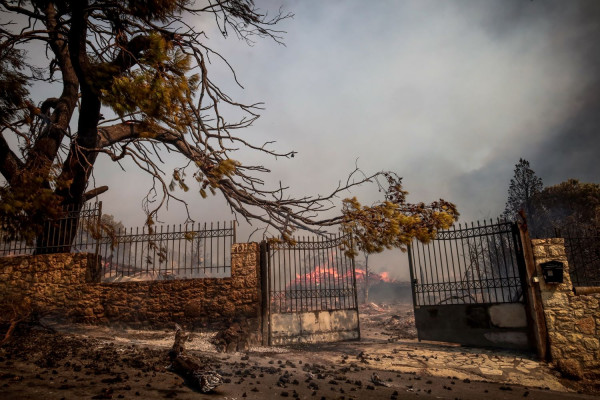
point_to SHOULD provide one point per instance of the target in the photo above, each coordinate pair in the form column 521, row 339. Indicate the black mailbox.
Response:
column 552, row 271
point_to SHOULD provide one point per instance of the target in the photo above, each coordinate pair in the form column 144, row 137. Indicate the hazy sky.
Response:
column 449, row 94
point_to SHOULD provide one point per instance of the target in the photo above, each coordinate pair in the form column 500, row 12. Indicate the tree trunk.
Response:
column 57, row 235
column 190, row 368
column 366, row 278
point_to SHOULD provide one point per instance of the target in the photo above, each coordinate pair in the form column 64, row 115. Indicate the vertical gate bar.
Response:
column 331, row 275
column 168, row 251
column 269, row 289
column 264, row 292
column 467, row 266
column 211, row 248
column 437, row 279
column 354, row 290
column 423, row 279
column 502, row 232
column 487, row 252
column 302, row 276
column 350, row 273
column 469, row 281
column 98, row 239
column 287, row 272
column 344, row 271
column 511, row 239
column 447, row 280
column 293, row 288
column 52, row 228
column 146, row 259
column 312, row 263
column 321, row 275
column 413, row 281
column 218, row 251
column 330, row 279
column 204, row 249
column 491, row 270
column 342, row 275
column 288, row 284
column 123, row 244
column 298, row 278
column 137, row 239
column 440, row 269
column 306, row 264
column 341, row 272
column 175, row 236
column 318, row 275
column 182, row 236
column 499, row 267
column 520, row 257
column 453, row 280
column 333, row 272
column 316, row 272
column 278, row 282
column 143, row 252
column 336, row 276
column 460, row 281
column 118, row 243
column 470, row 241
column 484, row 283
column 191, row 241
column 128, row 240
column 498, row 263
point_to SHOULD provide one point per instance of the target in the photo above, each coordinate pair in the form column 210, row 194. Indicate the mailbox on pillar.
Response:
column 552, row 271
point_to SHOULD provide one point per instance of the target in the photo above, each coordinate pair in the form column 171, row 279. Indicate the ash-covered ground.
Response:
column 392, row 321
column 65, row 361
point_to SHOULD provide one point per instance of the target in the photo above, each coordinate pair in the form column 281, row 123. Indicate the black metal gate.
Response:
column 311, row 288
column 468, row 286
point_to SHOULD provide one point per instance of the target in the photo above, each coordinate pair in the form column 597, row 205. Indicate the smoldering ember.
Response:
column 124, row 124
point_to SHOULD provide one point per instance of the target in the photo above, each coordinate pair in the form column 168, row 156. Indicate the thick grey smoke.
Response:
column 449, row 94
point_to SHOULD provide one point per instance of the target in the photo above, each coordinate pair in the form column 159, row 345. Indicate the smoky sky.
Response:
column 568, row 146
column 448, row 94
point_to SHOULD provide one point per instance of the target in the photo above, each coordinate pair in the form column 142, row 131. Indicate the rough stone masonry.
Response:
column 572, row 320
column 68, row 285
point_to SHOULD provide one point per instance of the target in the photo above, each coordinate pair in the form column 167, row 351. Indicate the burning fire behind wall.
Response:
column 382, row 288
column 312, row 277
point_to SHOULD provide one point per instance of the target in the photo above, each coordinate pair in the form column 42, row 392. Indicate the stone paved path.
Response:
column 410, row 356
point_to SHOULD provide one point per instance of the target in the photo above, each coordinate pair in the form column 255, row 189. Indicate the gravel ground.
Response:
column 77, row 362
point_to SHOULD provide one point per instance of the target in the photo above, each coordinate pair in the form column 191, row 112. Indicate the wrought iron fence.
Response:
column 171, row 252
column 313, row 274
column 583, row 253
column 467, row 265
column 71, row 232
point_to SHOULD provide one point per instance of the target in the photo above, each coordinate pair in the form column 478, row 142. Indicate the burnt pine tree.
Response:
column 570, row 205
column 131, row 80
column 523, row 187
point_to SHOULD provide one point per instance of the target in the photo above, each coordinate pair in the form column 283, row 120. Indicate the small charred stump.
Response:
column 190, row 368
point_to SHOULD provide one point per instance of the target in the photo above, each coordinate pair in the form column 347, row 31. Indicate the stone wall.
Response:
column 573, row 321
column 67, row 285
